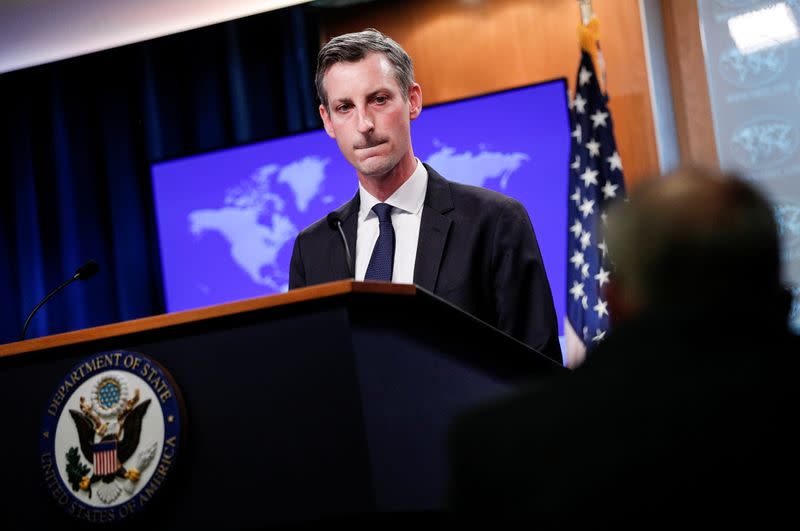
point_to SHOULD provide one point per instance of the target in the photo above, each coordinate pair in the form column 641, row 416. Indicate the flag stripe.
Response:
column 105, row 458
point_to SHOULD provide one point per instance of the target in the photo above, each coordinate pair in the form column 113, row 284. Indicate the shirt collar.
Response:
column 408, row 198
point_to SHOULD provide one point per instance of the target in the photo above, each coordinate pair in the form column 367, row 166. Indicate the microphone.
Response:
column 87, row 270
column 335, row 222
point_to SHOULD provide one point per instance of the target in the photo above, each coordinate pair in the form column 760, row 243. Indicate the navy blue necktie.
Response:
column 382, row 261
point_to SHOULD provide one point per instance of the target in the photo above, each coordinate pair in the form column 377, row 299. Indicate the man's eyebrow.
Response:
column 378, row 91
column 341, row 100
column 369, row 96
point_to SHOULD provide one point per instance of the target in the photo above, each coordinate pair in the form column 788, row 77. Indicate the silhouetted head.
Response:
column 698, row 243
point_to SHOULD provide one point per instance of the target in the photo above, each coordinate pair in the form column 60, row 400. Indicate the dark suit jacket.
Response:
column 667, row 418
column 477, row 250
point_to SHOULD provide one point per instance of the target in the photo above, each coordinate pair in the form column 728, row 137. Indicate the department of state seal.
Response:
column 110, row 435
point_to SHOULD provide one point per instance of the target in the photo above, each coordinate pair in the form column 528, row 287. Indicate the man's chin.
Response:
column 375, row 169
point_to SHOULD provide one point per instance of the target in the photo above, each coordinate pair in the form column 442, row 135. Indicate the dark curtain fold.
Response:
column 77, row 139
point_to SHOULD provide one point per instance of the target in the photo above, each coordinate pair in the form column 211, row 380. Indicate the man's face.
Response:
column 368, row 115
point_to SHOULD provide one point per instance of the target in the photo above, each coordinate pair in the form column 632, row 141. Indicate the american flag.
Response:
column 595, row 180
column 105, row 458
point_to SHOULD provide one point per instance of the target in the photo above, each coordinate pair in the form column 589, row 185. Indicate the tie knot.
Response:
column 383, row 211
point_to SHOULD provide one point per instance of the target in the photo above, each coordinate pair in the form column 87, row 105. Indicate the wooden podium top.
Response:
column 155, row 322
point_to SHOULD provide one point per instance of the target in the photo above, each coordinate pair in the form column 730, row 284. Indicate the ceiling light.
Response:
column 763, row 28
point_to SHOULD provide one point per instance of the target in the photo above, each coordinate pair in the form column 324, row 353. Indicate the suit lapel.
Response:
column 433, row 230
column 348, row 213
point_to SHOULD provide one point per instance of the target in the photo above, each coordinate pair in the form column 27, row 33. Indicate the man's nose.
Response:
column 365, row 124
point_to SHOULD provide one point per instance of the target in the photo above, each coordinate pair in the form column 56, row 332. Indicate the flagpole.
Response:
column 586, row 11
column 588, row 34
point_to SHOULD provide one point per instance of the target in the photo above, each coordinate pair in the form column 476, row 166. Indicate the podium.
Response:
column 321, row 404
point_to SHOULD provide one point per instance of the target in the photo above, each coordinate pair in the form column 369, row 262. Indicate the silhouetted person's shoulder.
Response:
column 660, row 419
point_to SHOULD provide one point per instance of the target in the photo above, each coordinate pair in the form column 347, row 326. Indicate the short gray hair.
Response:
column 353, row 47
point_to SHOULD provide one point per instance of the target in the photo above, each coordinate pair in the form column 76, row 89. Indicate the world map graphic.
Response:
column 258, row 217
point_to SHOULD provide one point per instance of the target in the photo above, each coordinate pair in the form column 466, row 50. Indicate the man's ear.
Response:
column 414, row 101
column 326, row 121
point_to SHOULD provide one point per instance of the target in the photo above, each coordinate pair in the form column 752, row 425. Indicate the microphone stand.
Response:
column 346, row 248
column 49, row 296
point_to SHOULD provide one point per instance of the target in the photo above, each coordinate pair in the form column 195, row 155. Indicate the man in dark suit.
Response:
column 473, row 247
column 685, row 409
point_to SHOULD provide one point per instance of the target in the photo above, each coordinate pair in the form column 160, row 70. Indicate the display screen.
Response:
column 227, row 219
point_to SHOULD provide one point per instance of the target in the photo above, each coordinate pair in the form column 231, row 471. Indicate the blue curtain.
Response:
column 77, row 139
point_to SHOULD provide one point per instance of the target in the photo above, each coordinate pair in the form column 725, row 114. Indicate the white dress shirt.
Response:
column 406, row 217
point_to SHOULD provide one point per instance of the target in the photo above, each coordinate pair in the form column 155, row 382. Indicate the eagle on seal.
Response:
column 115, row 446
